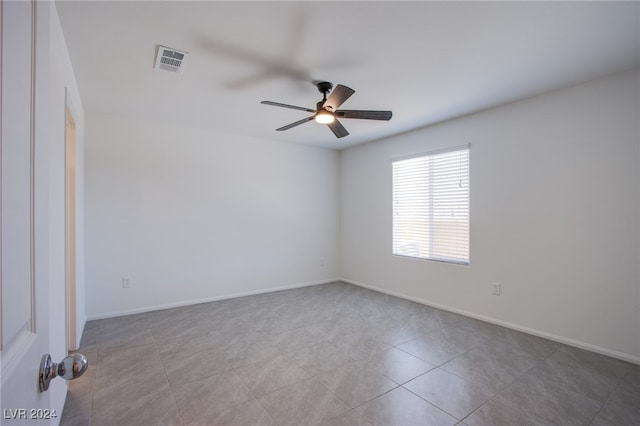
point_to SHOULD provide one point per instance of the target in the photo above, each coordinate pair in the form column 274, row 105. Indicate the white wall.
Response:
column 190, row 215
column 555, row 196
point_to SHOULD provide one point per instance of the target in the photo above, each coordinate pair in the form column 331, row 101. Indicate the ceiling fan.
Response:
column 327, row 111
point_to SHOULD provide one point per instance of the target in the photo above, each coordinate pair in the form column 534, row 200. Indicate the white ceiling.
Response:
column 425, row 61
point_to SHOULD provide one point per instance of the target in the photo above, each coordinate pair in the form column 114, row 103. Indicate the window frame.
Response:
column 430, row 239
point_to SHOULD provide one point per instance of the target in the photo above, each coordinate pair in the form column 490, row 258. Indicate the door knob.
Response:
column 69, row 368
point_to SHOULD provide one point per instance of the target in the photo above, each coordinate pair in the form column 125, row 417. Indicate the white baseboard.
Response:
column 204, row 300
column 561, row 339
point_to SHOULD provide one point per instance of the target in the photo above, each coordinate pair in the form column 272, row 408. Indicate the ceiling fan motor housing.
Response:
column 324, row 87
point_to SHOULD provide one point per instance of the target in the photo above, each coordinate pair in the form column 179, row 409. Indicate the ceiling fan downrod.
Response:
column 324, row 87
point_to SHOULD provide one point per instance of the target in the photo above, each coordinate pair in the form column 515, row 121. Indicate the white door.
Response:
column 24, row 331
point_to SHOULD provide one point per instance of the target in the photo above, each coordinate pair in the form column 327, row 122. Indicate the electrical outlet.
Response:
column 322, row 263
column 126, row 282
column 496, row 289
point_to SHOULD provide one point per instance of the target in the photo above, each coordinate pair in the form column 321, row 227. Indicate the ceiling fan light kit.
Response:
column 324, row 117
column 327, row 111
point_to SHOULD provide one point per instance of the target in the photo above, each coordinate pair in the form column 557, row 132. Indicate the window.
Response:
column 431, row 206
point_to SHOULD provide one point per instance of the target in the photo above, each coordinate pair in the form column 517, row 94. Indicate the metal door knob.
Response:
column 69, row 368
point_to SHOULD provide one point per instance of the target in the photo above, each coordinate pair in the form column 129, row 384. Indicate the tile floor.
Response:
column 336, row 354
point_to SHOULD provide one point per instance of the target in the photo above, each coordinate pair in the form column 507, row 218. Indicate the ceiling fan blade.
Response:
column 273, row 66
column 245, row 82
column 338, row 129
column 338, row 96
column 367, row 115
column 297, row 123
column 278, row 104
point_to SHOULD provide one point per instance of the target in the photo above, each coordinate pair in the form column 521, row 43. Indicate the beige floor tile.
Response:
column 313, row 353
column 304, row 403
column 355, row 384
column 210, row 396
column 449, row 392
column 351, row 418
column 250, row 413
column 401, row 407
column 321, row 357
column 183, row 366
column 147, row 409
column 397, row 365
column 269, row 375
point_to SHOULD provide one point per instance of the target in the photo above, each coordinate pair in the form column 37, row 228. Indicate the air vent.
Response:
column 169, row 59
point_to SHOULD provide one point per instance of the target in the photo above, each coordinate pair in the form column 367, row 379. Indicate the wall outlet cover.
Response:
column 496, row 289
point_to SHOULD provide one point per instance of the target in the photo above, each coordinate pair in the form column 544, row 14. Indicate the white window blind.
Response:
column 431, row 206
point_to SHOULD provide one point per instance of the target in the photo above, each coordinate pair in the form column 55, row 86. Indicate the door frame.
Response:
column 70, row 226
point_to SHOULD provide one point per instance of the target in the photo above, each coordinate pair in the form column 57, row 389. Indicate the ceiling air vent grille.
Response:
column 169, row 59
